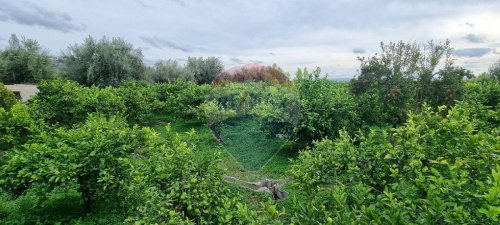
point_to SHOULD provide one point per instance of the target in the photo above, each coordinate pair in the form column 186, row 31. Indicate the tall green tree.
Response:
column 405, row 75
column 104, row 62
column 24, row 61
column 203, row 71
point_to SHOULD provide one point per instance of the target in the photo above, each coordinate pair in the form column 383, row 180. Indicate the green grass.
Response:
column 248, row 144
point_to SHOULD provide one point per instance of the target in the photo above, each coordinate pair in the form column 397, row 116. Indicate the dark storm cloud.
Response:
column 474, row 38
column 471, row 52
column 358, row 51
column 161, row 43
column 33, row 15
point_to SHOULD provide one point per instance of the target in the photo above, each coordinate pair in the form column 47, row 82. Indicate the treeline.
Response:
column 103, row 62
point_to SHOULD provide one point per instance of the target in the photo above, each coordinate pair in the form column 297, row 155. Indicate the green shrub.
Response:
column 90, row 156
column 7, row 98
column 326, row 107
column 483, row 91
column 139, row 100
column 17, row 127
column 171, row 186
column 180, row 98
column 429, row 171
column 66, row 103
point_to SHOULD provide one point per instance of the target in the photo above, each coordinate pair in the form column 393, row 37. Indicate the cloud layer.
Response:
column 471, row 52
column 33, row 15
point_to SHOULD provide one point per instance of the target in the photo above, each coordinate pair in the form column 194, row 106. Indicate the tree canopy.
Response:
column 104, row 62
column 203, row 71
column 24, row 61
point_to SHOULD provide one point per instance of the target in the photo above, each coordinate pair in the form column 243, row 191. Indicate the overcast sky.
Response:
column 330, row 34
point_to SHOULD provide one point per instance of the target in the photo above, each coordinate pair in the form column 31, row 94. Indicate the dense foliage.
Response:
column 24, row 61
column 16, row 127
column 66, row 103
column 432, row 170
column 203, row 71
column 180, row 99
column 402, row 77
column 326, row 107
column 7, row 97
column 408, row 141
column 90, row 156
column 102, row 62
column 166, row 71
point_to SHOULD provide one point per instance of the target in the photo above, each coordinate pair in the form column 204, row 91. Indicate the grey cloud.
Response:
column 469, row 24
column 474, row 38
column 161, row 43
column 358, row 50
column 471, row 52
column 34, row 15
column 256, row 61
column 236, row 60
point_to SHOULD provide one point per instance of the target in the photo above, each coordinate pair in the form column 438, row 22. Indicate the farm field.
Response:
column 193, row 144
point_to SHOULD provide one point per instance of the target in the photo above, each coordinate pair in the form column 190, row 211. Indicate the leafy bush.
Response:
column 17, row 127
column 66, row 103
column 139, row 100
column 180, row 99
column 491, row 208
column 429, row 171
column 90, row 155
column 7, row 98
column 326, row 107
column 483, row 91
column 171, row 186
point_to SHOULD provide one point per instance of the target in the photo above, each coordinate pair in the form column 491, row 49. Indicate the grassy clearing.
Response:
column 248, row 144
column 246, row 153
